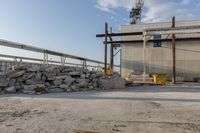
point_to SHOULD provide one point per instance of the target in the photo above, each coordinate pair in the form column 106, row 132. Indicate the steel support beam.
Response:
column 144, row 56
column 119, row 34
column 173, row 29
column 106, row 47
column 163, row 40
column 174, row 52
column 63, row 59
column 45, row 59
column 111, row 52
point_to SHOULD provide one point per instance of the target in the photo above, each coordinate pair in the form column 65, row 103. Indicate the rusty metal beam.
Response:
column 163, row 40
column 119, row 34
column 106, row 47
column 174, row 51
column 116, row 45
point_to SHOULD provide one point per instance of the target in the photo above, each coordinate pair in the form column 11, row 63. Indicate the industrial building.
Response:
column 159, row 51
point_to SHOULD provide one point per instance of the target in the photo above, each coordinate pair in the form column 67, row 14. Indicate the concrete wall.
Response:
column 159, row 59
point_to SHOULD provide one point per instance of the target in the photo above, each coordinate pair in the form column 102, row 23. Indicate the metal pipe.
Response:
column 174, row 51
column 106, row 47
column 40, row 50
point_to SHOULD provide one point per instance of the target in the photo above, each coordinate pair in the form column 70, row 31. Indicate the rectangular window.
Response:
column 157, row 40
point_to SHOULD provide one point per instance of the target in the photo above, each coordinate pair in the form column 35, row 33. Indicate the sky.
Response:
column 70, row 26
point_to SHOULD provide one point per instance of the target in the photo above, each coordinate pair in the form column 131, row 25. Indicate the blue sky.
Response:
column 70, row 25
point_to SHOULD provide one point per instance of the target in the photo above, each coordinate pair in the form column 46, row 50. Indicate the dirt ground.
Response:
column 142, row 109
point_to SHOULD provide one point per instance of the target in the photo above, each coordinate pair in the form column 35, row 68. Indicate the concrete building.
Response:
column 159, row 54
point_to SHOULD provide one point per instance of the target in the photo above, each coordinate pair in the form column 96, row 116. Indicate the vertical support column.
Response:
column 174, row 52
column 111, row 53
column 45, row 59
column 106, row 47
column 63, row 58
column 84, row 63
column 15, row 61
column 144, row 56
column 120, row 62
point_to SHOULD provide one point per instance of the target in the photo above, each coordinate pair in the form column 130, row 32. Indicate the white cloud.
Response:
column 108, row 5
column 156, row 10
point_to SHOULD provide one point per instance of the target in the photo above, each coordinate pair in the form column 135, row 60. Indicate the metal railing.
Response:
column 84, row 62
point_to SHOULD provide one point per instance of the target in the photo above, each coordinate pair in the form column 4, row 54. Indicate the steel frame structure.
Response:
column 147, row 34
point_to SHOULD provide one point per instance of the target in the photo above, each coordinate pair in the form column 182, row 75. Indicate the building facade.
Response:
column 159, row 53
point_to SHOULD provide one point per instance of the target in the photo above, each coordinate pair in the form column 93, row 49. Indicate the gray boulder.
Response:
column 31, row 82
column 69, row 80
column 33, row 68
column 26, row 76
column 38, row 76
column 82, row 84
column 3, row 83
column 18, row 74
column 75, row 73
column 57, row 82
column 112, row 83
column 11, row 89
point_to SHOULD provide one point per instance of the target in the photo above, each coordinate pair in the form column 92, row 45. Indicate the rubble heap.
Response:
column 34, row 79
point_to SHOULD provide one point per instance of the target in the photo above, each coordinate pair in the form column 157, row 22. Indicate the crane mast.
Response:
column 135, row 14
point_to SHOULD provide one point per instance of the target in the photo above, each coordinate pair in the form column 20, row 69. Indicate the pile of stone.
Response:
column 34, row 79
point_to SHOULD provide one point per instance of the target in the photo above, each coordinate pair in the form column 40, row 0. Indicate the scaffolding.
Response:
column 148, row 33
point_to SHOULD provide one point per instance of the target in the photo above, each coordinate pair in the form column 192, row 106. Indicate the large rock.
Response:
column 82, row 84
column 74, row 88
column 75, row 74
column 112, row 83
column 68, row 80
column 99, row 74
column 11, row 89
column 57, row 82
column 33, row 68
column 3, row 83
column 12, row 82
column 30, row 87
column 63, row 86
column 31, row 82
column 68, row 70
column 38, row 76
column 26, row 76
column 61, row 77
column 18, row 74
column 35, row 89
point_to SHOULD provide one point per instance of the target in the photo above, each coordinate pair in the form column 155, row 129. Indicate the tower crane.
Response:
column 136, row 11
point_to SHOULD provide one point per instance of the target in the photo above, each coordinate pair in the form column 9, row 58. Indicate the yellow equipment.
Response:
column 159, row 79
column 109, row 71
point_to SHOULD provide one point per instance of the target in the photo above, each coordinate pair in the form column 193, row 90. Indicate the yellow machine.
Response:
column 159, row 79
column 109, row 71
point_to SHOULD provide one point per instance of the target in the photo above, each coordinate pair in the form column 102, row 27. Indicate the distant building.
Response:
column 159, row 53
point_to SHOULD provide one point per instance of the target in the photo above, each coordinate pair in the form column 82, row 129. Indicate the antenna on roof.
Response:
column 135, row 14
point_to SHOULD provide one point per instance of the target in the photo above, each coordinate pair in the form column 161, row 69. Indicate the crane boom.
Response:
column 139, row 4
column 135, row 14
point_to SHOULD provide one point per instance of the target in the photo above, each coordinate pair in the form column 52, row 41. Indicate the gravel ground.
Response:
column 142, row 109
